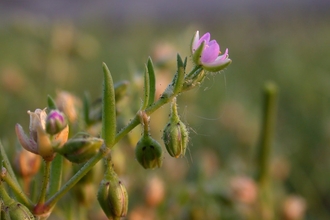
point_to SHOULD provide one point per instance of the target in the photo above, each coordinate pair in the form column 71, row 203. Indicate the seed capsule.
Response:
column 112, row 196
column 175, row 134
column 81, row 149
column 149, row 153
column 17, row 211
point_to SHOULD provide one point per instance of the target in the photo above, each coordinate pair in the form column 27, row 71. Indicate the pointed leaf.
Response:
column 108, row 109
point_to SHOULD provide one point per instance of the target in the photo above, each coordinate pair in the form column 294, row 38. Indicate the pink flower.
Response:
column 207, row 53
column 40, row 142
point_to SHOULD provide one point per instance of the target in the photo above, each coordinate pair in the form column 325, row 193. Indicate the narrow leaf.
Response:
column 146, row 89
column 152, row 82
column 108, row 109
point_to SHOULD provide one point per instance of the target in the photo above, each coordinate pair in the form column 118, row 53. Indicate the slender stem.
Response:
column 56, row 175
column 21, row 196
column 7, row 165
column 81, row 173
column 145, row 123
column 263, row 159
column 136, row 120
column 193, row 70
column 268, row 125
column 103, row 151
column 4, row 195
column 45, row 182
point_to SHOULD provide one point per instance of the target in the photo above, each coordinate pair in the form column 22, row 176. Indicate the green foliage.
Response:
column 225, row 120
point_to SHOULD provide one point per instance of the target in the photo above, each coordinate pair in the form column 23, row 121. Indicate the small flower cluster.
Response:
column 46, row 133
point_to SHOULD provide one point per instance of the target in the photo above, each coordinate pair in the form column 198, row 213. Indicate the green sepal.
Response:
column 51, row 103
column 217, row 68
column 18, row 211
column 198, row 54
column 81, row 149
column 179, row 76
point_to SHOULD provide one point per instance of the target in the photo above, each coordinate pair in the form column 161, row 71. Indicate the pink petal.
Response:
column 211, row 52
column 206, row 37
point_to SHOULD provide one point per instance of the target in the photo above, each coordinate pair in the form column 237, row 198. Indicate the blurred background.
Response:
column 51, row 46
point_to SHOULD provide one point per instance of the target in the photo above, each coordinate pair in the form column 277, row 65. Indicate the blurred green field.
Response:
column 224, row 114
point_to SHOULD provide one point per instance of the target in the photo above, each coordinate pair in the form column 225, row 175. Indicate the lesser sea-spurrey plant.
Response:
column 49, row 136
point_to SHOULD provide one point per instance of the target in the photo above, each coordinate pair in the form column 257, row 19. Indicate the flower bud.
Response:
column 112, row 196
column 55, row 122
column 18, row 211
column 68, row 103
column 39, row 141
column 80, row 149
column 175, row 134
column 27, row 164
column 148, row 152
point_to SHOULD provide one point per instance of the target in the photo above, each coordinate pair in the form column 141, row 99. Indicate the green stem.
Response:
column 4, row 195
column 81, row 173
column 136, row 120
column 56, row 174
column 45, row 182
column 268, row 125
column 264, row 153
column 193, row 71
column 145, row 123
column 7, row 165
column 106, row 123
column 16, row 189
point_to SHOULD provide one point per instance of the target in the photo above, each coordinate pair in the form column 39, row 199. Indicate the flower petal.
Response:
column 210, row 52
column 194, row 42
column 206, row 37
column 27, row 143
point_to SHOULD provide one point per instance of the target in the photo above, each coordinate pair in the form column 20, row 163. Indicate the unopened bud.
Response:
column 18, row 211
column 55, row 122
column 112, row 196
column 175, row 134
column 148, row 152
column 80, row 149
